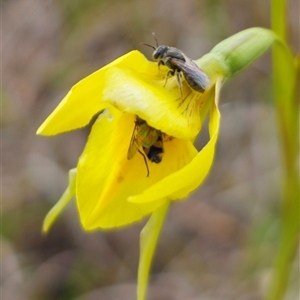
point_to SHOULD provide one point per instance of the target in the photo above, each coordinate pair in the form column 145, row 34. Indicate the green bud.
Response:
column 237, row 52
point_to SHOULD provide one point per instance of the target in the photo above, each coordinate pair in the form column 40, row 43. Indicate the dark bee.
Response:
column 148, row 141
column 179, row 63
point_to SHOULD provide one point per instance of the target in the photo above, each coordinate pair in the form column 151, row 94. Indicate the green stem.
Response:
column 287, row 110
column 148, row 241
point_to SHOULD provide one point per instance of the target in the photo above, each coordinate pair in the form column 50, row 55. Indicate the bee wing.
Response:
column 194, row 76
column 133, row 146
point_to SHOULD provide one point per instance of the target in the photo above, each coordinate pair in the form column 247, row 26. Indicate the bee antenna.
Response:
column 148, row 45
column 155, row 38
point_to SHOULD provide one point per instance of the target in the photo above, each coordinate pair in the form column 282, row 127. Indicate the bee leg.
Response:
column 169, row 74
column 179, row 82
column 145, row 160
column 160, row 63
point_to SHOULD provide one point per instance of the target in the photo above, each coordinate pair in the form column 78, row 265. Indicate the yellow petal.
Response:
column 106, row 178
column 82, row 102
column 131, row 84
column 141, row 90
column 179, row 184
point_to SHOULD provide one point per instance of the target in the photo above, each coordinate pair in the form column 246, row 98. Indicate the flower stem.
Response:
column 148, row 241
column 287, row 110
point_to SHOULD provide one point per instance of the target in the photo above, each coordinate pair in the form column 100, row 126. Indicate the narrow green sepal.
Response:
column 61, row 204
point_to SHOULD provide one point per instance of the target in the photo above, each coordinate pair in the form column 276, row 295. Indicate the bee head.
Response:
column 159, row 52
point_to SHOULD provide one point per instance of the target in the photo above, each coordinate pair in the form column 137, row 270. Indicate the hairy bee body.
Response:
column 179, row 63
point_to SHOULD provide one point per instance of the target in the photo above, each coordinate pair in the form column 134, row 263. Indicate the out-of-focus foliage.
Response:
column 217, row 245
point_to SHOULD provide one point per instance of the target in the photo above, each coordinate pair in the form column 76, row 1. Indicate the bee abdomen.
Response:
column 155, row 154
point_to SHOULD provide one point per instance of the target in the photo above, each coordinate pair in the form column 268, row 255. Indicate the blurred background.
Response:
column 217, row 245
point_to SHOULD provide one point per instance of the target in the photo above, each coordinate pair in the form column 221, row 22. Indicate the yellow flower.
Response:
column 111, row 189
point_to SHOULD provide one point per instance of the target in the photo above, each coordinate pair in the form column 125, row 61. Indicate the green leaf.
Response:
column 148, row 240
column 61, row 204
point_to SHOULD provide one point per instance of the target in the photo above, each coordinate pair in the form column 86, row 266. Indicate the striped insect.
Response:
column 148, row 141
